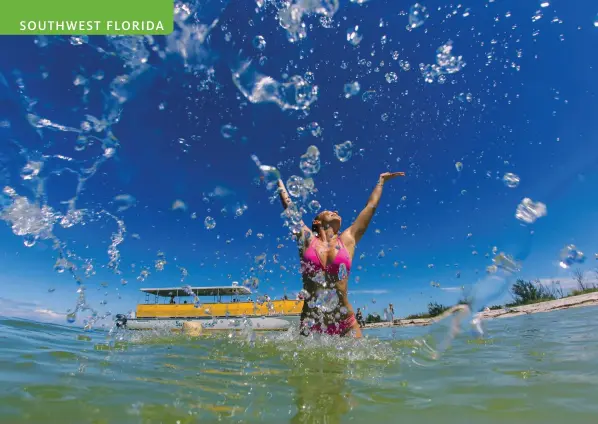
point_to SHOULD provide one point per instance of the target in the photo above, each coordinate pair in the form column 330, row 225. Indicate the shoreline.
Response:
column 583, row 300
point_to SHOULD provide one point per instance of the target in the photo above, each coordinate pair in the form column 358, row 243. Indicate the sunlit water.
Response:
column 534, row 369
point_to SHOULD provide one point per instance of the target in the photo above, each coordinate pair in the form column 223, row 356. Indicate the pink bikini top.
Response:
column 311, row 263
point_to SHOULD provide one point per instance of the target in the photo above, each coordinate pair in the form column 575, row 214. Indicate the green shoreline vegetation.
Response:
column 523, row 293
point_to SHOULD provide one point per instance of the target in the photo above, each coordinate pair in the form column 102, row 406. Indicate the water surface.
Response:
column 534, row 369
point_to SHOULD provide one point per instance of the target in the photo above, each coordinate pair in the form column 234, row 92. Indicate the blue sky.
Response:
column 536, row 121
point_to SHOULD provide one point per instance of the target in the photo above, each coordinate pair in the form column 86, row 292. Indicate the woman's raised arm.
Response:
column 358, row 228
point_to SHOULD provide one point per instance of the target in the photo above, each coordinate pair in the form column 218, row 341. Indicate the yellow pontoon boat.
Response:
column 231, row 307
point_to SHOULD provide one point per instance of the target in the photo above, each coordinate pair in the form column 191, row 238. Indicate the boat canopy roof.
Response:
column 198, row 291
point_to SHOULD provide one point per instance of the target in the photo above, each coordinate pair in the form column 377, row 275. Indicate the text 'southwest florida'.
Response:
column 85, row 26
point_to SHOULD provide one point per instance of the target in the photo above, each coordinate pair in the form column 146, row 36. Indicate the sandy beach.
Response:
column 590, row 299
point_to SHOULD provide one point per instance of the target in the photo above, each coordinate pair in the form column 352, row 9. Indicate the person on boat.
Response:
column 326, row 255
column 172, row 302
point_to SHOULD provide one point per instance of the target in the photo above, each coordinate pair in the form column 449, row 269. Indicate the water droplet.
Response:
column 537, row 16
column 125, row 201
column 31, row 170
column 315, row 129
column 352, row 89
column 296, row 93
column 179, row 205
column 77, row 41
column 327, row 300
column 29, row 240
column 391, row 77
column 511, row 180
column 259, row 43
column 459, row 166
column 210, row 223
column 529, row 212
column 491, row 269
column 160, row 263
column 506, row 263
column 368, row 96
column 270, row 174
column 228, row 131
column 310, row 161
column 405, row 66
column 295, row 186
column 60, row 265
column 343, row 151
column 571, row 255
column 545, row 4
column 71, row 317
column 353, row 36
column 260, row 260
column 314, row 206
column 343, row 274
column 417, row 16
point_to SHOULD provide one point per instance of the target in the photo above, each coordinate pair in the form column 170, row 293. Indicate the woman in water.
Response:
column 326, row 256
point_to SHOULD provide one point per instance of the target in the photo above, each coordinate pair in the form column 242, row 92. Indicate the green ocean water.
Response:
column 539, row 368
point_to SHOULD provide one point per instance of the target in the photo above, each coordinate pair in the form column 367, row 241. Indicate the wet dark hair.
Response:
column 314, row 226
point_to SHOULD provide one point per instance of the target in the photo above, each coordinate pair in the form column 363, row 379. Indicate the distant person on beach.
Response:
column 325, row 256
column 391, row 313
column 359, row 318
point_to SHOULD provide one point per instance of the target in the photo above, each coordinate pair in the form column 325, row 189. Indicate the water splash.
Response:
column 295, row 94
column 290, row 16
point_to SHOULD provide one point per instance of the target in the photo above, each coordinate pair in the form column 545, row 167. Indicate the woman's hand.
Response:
column 389, row 176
